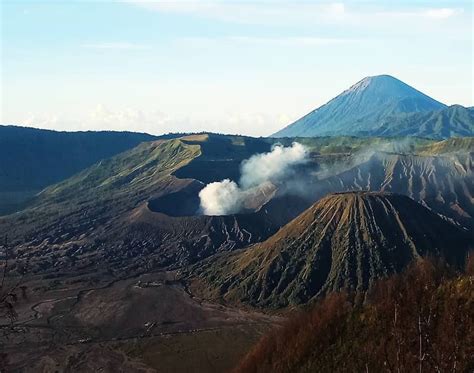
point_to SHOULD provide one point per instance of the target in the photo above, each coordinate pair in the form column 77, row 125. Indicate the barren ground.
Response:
column 146, row 323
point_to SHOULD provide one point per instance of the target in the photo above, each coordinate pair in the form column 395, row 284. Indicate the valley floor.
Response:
column 145, row 323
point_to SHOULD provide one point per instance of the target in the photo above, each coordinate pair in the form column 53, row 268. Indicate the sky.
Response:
column 242, row 67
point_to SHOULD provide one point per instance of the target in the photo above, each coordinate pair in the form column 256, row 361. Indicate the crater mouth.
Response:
column 186, row 201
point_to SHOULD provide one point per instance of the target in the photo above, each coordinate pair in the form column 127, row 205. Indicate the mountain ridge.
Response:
column 35, row 158
column 92, row 216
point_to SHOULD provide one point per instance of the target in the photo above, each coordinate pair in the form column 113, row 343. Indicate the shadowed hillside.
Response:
column 33, row 159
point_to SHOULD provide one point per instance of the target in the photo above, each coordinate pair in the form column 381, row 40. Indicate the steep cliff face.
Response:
column 444, row 183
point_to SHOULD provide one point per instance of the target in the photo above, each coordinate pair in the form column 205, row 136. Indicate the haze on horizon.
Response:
column 224, row 66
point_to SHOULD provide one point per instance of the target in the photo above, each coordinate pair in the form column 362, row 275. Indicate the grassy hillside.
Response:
column 102, row 191
column 350, row 144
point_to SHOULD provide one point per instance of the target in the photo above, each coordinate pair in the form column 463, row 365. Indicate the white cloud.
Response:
column 157, row 122
column 132, row 119
column 300, row 40
column 263, row 12
column 116, row 46
column 336, row 8
column 58, row 122
column 254, row 124
column 431, row 13
column 442, row 13
column 102, row 118
column 279, row 41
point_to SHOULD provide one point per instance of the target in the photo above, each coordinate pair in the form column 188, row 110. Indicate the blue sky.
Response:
column 246, row 67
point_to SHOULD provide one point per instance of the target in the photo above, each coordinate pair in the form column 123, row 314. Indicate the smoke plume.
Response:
column 257, row 173
column 221, row 198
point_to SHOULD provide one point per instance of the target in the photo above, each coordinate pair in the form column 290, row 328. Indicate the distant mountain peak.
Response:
column 375, row 79
column 377, row 106
column 387, row 86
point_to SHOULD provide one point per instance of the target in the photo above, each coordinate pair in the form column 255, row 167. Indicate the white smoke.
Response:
column 221, row 198
column 226, row 197
column 271, row 166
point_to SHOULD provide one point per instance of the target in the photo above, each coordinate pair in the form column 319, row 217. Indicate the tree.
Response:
column 421, row 320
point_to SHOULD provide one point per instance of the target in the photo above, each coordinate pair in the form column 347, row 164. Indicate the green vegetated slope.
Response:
column 328, row 145
column 104, row 190
column 129, row 173
column 452, row 145
column 108, row 213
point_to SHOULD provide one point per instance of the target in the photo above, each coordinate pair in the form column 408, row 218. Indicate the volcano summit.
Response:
column 383, row 106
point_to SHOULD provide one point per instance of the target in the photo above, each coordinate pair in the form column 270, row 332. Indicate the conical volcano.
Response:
column 346, row 240
column 360, row 109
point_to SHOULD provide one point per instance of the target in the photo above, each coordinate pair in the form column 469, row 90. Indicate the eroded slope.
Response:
column 345, row 240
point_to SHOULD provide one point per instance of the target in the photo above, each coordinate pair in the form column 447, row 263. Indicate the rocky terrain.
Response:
column 101, row 259
column 443, row 182
column 143, row 205
column 344, row 241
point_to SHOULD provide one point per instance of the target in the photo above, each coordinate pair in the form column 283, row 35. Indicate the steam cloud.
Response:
column 257, row 173
column 221, row 198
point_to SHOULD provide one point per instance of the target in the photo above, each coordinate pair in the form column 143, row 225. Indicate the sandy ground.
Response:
column 146, row 323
